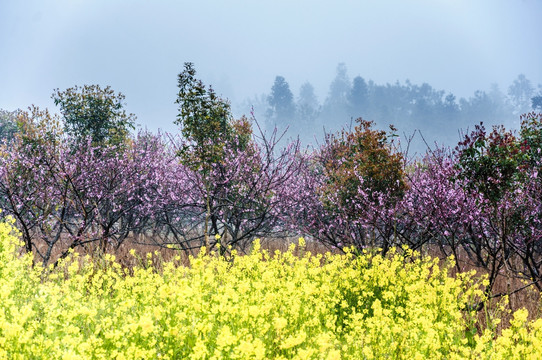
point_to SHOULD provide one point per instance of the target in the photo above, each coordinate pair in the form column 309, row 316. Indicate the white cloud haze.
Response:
column 138, row 47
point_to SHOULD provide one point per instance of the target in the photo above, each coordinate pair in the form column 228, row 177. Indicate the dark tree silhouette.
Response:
column 281, row 110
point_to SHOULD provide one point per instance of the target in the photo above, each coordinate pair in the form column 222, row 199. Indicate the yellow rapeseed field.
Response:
column 291, row 305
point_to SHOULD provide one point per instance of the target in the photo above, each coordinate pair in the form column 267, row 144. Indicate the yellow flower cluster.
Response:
column 258, row 306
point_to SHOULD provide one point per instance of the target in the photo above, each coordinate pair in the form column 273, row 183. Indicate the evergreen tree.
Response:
column 358, row 97
column 281, row 110
column 205, row 121
column 307, row 104
column 339, row 88
column 520, row 94
column 335, row 109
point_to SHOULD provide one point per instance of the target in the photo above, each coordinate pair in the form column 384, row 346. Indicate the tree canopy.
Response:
column 281, row 102
column 91, row 111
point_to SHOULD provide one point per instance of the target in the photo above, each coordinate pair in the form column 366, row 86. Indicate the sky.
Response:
column 138, row 47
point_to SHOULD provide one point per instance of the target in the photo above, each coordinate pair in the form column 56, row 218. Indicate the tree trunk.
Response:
column 207, row 217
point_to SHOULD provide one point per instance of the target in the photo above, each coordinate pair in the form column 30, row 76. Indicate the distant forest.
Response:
column 422, row 115
column 438, row 115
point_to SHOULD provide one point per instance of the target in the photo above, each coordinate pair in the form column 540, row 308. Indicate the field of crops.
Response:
column 285, row 305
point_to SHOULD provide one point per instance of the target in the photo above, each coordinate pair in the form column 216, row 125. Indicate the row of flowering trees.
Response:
column 215, row 182
column 219, row 182
column 481, row 202
column 66, row 193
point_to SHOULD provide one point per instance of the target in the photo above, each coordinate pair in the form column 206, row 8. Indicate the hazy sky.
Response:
column 139, row 47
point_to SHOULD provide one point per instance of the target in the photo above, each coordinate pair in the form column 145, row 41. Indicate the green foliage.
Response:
column 242, row 133
column 363, row 155
column 281, row 102
column 531, row 136
column 95, row 112
column 37, row 128
column 495, row 164
column 209, row 130
column 205, row 121
column 491, row 162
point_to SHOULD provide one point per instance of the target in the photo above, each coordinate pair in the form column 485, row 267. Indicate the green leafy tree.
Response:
column 367, row 155
column 95, row 112
column 492, row 162
column 204, row 118
column 363, row 174
column 206, row 124
column 531, row 137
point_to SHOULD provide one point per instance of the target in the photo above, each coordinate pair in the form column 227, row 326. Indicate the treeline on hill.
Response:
column 410, row 107
column 81, row 177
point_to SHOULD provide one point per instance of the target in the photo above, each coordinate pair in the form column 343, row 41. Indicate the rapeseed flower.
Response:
column 281, row 305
